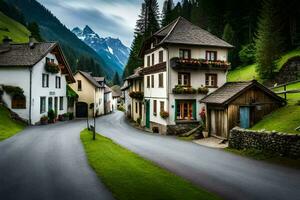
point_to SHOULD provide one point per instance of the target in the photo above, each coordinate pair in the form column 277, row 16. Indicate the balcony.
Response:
column 137, row 95
column 198, row 64
column 180, row 89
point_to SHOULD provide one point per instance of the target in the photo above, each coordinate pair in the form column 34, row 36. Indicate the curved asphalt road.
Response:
column 230, row 176
column 48, row 162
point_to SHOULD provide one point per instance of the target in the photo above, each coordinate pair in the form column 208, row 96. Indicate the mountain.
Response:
column 110, row 49
column 53, row 30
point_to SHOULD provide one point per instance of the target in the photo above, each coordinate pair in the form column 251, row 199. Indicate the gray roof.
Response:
column 99, row 79
column 181, row 31
column 23, row 55
column 89, row 77
column 107, row 89
column 231, row 90
column 137, row 74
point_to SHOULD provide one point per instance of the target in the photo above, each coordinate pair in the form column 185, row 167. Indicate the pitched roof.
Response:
column 99, row 79
column 23, row 55
column 137, row 74
column 107, row 89
column 89, row 77
column 181, row 31
column 231, row 90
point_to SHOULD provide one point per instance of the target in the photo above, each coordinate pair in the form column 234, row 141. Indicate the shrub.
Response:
column 164, row 114
column 203, row 90
column 52, row 68
column 71, row 116
column 52, row 116
column 13, row 91
column 247, row 54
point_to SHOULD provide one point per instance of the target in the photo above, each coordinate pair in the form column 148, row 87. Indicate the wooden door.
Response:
column 244, row 117
column 218, row 123
column 147, row 104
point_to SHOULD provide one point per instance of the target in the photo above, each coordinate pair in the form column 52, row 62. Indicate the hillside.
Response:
column 245, row 73
column 53, row 30
column 14, row 30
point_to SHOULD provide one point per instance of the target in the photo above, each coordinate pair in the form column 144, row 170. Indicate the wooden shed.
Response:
column 238, row 104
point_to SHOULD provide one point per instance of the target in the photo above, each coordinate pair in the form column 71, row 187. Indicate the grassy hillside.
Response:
column 285, row 119
column 16, row 31
column 8, row 127
column 246, row 73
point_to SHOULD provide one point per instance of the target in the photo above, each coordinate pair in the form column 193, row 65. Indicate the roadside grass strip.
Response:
column 8, row 126
column 129, row 176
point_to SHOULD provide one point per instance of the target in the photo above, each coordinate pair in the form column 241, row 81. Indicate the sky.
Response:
column 114, row 18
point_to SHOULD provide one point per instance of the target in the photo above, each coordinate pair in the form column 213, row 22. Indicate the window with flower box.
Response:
column 185, row 53
column 211, row 55
column 184, row 79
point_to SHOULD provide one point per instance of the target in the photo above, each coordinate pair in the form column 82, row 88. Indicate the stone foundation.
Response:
column 182, row 128
column 162, row 129
column 281, row 144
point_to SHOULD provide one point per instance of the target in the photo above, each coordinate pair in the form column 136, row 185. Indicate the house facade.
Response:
column 108, row 100
column 41, row 72
column 126, row 98
column 90, row 95
column 182, row 64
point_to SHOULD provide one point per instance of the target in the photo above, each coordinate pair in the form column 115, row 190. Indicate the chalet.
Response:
column 238, row 104
column 34, row 78
column 90, row 92
column 182, row 64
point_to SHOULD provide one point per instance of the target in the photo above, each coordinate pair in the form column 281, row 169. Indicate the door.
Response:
column 49, row 103
column 244, row 117
column 147, row 104
column 55, row 104
column 81, row 109
column 218, row 123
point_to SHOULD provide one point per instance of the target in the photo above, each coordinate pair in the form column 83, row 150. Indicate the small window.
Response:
column 52, row 60
column 18, row 102
column 148, row 61
column 57, row 82
column 45, row 80
column 42, row 105
column 79, row 86
column 184, row 79
column 162, row 106
column 152, row 59
column 61, row 103
column 161, row 80
column 148, row 81
column 211, row 80
column 211, row 55
column 47, row 60
column 185, row 53
column 136, row 107
column 161, row 56
column 152, row 81
column 154, row 107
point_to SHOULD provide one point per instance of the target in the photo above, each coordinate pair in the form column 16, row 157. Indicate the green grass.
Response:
column 128, row 176
column 14, row 30
column 292, row 98
column 285, row 57
column 8, row 127
column 268, row 157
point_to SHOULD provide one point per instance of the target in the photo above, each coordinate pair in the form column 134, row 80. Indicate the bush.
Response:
column 247, row 54
column 71, row 116
column 51, row 68
column 52, row 116
column 13, row 91
column 164, row 114
column 203, row 90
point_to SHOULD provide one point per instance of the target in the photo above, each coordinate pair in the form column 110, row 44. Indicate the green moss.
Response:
column 128, row 176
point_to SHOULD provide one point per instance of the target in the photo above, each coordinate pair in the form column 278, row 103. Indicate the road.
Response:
column 48, row 162
column 231, row 176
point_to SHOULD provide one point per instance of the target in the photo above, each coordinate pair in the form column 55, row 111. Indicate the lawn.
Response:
column 128, row 176
column 14, row 30
column 8, row 127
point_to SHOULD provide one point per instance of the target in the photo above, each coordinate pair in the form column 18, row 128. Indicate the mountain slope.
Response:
column 12, row 29
column 110, row 49
column 53, row 30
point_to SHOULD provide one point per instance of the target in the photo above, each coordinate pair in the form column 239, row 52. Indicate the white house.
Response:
column 41, row 71
column 126, row 98
column 182, row 63
column 91, row 94
column 108, row 100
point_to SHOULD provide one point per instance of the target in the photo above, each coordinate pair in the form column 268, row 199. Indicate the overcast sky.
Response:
column 115, row 18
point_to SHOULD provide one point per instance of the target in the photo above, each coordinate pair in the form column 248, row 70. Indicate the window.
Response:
column 45, row 80
column 47, row 60
column 148, row 81
column 152, row 81
column 211, row 80
column 61, row 103
column 154, row 107
column 184, row 53
column 211, row 55
column 42, row 105
column 148, row 61
column 18, row 102
column 184, row 79
column 52, row 60
column 161, row 56
column 79, row 85
column 152, row 59
column 162, row 106
column 136, row 107
column 50, row 106
column 161, row 80
column 57, row 82
column 185, row 110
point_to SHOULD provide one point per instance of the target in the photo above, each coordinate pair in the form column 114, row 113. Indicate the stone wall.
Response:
column 289, row 72
column 182, row 128
column 281, row 144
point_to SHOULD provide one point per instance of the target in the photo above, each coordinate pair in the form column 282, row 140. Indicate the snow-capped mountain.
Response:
column 110, row 49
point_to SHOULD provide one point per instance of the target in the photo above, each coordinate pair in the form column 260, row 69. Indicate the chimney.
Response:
column 31, row 42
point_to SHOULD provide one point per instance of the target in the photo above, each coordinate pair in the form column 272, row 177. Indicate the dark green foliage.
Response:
column 52, row 116
column 33, row 27
column 116, row 79
column 167, row 12
column 228, row 36
column 13, row 91
column 269, row 40
column 88, row 64
column 247, row 54
column 52, row 68
column 12, row 12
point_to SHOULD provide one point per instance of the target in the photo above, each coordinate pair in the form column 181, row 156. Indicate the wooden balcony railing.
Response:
column 180, row 63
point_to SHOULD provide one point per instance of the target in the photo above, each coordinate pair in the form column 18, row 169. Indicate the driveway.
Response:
column 48, row 162
column 226, row 174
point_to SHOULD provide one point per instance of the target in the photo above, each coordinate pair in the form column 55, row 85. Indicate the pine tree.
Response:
column 228, row 36
column 167, row 12
column 268, row 43
column 116, row 79
column 33, row 27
